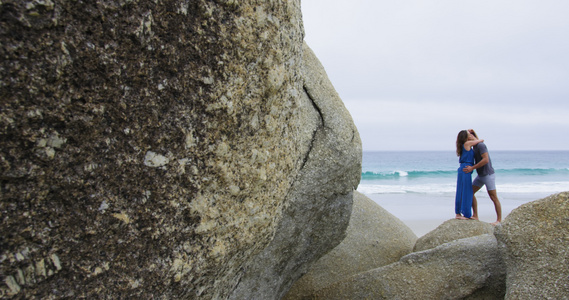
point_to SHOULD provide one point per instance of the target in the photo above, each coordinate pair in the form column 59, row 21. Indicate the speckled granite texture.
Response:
column 147, row 148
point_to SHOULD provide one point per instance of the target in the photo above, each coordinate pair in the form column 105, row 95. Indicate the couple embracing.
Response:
column 472, row 150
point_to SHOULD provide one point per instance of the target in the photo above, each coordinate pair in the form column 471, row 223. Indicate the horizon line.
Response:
column 448, row 150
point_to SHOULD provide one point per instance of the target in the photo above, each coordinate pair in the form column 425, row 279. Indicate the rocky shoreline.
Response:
column 197, row 150
column 523, row 258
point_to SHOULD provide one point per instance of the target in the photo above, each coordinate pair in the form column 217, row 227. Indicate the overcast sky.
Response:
column 413, row 73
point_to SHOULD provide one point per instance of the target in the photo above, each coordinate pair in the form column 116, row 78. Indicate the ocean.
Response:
column 421, row 185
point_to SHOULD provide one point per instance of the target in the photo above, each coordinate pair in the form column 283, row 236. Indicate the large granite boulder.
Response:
column 152, row 148
column 319, row 203
column 454, row 270
column 451, row 230
column 374, row 238
column 534, row 240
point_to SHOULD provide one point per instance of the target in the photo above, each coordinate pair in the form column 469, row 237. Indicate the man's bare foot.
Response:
column 461, row 218
column 474, row 218
column 495, row 223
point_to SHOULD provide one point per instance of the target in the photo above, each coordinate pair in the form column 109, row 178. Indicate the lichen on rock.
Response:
column 318, row 205
column 148, row 145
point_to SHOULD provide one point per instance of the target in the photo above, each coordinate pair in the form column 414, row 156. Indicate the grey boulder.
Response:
column 451, row 230
column 374, row 238
column 534, row 241
column 455, row 270
column 319, row 203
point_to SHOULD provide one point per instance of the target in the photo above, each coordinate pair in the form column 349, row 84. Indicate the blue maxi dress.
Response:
column 463, row 201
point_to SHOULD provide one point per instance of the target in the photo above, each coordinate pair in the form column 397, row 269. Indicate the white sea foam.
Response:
column 435, row 188
column 402, row 173
column 404, row 189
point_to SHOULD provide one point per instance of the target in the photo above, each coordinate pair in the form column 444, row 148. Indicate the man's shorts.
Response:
column 488, row 180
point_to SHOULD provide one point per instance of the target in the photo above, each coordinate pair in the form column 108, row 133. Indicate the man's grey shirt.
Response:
column 487, row 169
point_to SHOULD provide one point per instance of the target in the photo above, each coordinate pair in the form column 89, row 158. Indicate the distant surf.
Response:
column 434, row 173
column 510, row 172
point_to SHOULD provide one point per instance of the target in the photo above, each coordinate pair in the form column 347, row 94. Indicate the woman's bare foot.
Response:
column 460, row 217
column 495, row 223
column 474, row 218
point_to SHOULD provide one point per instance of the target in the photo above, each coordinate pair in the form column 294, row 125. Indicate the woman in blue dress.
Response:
column 463, row 202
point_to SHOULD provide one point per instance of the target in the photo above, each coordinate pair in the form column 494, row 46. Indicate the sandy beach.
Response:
column 425, row 212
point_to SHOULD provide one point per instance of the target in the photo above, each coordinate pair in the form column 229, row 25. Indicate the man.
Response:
column 486, row 177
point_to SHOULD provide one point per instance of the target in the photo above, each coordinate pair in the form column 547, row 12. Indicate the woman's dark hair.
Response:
column 460, row 140
column 473, row 133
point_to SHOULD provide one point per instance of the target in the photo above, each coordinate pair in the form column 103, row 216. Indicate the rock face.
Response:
column 374, row 238
column 152, row 149
column 320, row 201
column 534, row 241
column 454, row 270
column 451, row 230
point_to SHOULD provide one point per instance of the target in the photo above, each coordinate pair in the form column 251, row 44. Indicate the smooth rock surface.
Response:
column 148, row 149
column 374, row 238
column 319, row 203
column 534, row 240
column 451, row 230
column 454, row 270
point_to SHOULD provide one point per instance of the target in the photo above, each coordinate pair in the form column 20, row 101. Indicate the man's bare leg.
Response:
column 474, row 203
column 494, row 197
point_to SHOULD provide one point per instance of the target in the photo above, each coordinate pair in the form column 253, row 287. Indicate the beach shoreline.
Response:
column 423, row 213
